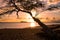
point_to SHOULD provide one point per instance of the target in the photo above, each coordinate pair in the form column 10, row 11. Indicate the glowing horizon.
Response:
column 28, row 18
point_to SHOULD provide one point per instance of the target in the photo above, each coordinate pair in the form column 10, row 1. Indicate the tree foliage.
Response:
column 27, row 6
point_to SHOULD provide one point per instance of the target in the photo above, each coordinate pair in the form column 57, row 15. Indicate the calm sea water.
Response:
column 22, row 25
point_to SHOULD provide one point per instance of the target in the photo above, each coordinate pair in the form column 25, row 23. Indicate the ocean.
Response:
column 23, row 25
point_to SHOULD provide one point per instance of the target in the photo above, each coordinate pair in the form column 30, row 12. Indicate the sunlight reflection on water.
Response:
column 32, row 24
column 22, row 25
column 18, row 25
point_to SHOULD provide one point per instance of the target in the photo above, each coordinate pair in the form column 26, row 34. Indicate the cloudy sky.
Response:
column 25, row 17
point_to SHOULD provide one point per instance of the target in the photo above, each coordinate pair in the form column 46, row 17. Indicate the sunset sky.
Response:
column 26, row 17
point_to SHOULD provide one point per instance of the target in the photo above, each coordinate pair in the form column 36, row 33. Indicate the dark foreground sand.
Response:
column 24, row 34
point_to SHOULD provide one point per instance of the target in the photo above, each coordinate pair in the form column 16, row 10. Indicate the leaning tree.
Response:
column 27, row 6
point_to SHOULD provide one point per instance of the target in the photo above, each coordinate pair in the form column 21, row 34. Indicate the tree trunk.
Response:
column 48, row 31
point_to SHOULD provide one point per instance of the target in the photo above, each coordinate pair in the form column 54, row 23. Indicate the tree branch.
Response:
column 8, row 12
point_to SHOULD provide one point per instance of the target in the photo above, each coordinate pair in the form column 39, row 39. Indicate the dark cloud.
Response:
column 53, row 6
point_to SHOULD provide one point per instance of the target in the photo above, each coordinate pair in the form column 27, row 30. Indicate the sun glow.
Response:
column 33, row 12
column 32, row 25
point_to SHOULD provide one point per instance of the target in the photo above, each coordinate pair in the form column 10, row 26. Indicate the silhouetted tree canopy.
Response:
column 27, row 6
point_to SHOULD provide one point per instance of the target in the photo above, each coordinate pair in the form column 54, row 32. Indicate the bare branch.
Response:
column 8, row 12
